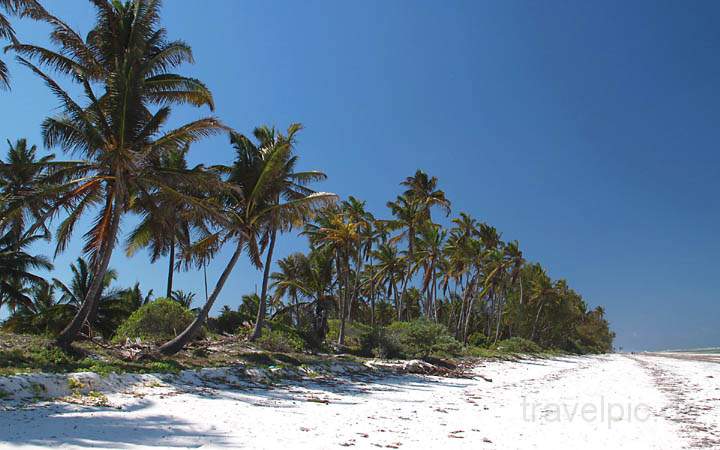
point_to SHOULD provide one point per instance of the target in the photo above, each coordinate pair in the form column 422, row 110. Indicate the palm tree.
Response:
column 16, row 270
column 182, row 297
column 388, row 270
column 422, row 191
column 288, row 281
column 250, row 203
column 29, row 8
column 23, row 178
column 75, row 293
column 167, row 221
column 286, row 187
column 119, row 136
column 356, row 212
column 428, row 256
column 337, row 234
column 413, row 208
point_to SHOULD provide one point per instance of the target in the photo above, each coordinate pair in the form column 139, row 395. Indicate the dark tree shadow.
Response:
column 57, row 424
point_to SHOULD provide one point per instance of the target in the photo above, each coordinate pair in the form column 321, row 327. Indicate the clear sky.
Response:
column 588, row 131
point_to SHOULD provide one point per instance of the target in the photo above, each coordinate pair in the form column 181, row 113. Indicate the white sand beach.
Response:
column 601, row 402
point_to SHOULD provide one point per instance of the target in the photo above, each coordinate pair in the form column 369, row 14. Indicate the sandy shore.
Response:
column 602, row 402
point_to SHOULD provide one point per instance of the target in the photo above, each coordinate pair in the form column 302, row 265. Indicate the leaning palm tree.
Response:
column 124, row 69
column 286, row 186
column 251, row 209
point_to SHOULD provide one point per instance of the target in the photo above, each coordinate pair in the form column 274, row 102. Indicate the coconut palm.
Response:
column 17, row 268
column 284, row 187
column 22, row 179
column 166, row 220
column 356, row 212
column 124, row 69
column 428, row 256
column 182, row 297
column 389, row 267
column 339, row 235
column 289, row 280
column 422, row 191
column 29, row 8
column 252, row 208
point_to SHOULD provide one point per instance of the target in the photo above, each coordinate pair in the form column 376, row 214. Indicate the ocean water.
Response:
column 711, row 350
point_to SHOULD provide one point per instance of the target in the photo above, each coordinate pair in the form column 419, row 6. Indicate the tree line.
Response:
column 127, row 162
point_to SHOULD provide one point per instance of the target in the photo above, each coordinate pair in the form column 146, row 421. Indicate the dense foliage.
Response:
column 411, row 283
column 157, row 321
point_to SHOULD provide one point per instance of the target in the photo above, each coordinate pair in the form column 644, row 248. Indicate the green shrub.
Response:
column 50, row 321
column 354, row 331
column 478, row 339
column 157, row 321
column 518, row 345
column 421, row 338
column 447, row 345
column 379, row 343
column 281, row 341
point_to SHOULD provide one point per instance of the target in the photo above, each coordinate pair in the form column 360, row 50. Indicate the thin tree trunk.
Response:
column 205, row 277
column 499, row 318
column 171, row 268
column 398, row 300
column 402, row 299
column 175, row 345
column 537, row 317
column 262, row 306
column 296, row 309
column 468, row 312
column 372, row 295
column 344, row 302
column 70, row 332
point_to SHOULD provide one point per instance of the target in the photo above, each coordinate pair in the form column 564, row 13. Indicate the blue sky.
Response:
column 588, row 131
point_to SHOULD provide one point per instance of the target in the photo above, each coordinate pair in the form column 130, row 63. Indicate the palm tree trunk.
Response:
column 468, row 312
column 171, row 268
column 343, row 302
column 537, row 317
column 262, row 307
column 205, row 277
column 372, row 295
column 175, row 345
column 70, row 332
column 296, row 309
column 499, row 318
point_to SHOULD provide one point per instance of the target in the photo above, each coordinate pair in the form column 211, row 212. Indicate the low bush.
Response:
column 379, row 343
column 157, row 321
column 421, row 338
column 478, row 339
column 518, row 345
column 354, row 331
column 279, row 340
column 49, row 322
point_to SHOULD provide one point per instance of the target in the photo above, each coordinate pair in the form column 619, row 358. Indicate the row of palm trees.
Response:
column 128, row 161
column 373, row 270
